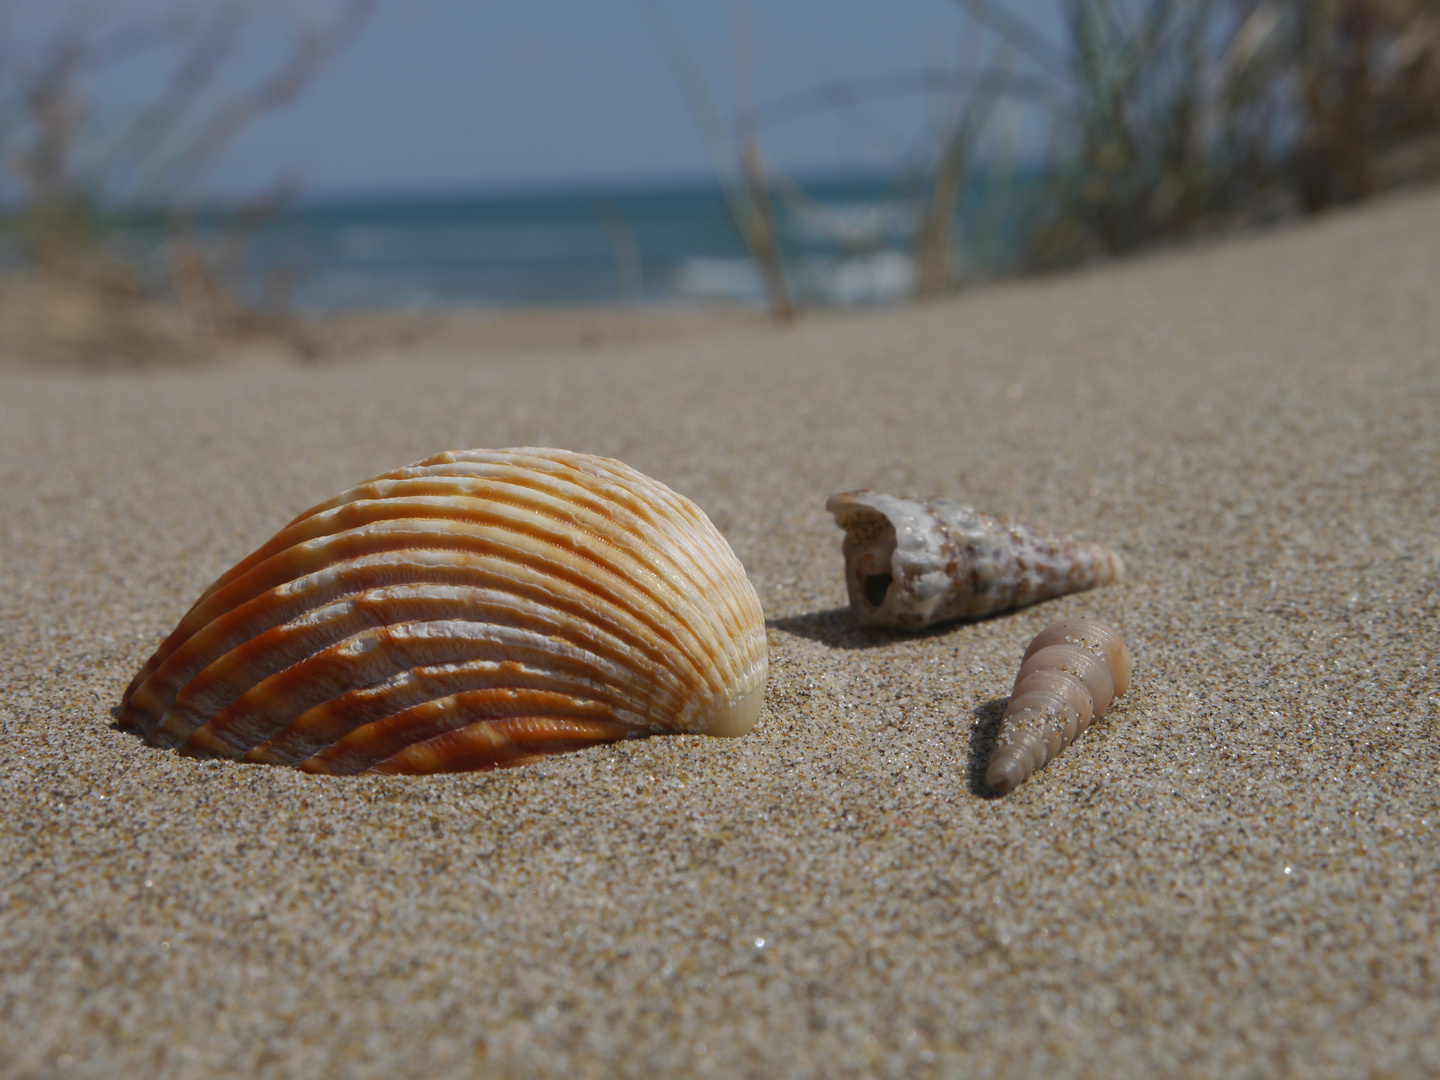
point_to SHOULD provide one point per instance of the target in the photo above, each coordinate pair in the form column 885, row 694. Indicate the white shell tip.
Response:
column 739, row 716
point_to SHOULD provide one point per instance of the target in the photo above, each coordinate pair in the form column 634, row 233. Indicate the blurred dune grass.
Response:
column 1188, row 118
column 1168, row 120
column 76, row 177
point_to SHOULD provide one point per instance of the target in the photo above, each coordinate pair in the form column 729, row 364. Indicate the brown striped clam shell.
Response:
column 1069, row 675
column 477, row 609
column 911, row 563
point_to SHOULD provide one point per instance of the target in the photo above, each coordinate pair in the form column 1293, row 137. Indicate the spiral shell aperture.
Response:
column 477, row 609
column 1069, row 675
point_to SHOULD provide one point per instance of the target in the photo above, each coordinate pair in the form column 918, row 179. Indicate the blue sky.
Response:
column 448, row 95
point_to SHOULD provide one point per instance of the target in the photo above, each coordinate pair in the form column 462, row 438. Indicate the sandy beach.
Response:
column 1234, row 874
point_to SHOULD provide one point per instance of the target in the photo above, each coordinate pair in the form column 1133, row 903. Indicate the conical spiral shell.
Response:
column 476, row 609
column 913, row 562
column 1069, row 675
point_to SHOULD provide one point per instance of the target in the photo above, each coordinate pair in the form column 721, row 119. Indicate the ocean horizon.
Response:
column 846, row 240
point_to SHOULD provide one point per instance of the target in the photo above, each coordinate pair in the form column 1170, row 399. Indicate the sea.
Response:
column 844, row 241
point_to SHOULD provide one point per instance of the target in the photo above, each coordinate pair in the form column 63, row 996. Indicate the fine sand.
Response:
column 1234, row 874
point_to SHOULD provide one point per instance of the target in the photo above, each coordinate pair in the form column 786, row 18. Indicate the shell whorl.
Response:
column 478, row 608
column 913, row 562
column 1069, row 675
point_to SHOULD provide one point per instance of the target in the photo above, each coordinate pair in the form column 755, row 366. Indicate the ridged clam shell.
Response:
column 913, row 562
column 1069, row 675
column 476, row 609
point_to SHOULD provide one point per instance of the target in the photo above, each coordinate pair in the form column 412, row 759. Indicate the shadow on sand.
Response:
column 837, row 628
column 983, row 734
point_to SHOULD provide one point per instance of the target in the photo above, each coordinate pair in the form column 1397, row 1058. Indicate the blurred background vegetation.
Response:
column 85, row 189
column 1166, row 121
column 1178, row 118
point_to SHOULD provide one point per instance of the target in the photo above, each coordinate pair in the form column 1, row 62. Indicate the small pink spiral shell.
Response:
column 1069, row 675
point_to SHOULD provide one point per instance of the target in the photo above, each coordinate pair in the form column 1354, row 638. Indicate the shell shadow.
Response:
column 837, row 628
column 983, row 735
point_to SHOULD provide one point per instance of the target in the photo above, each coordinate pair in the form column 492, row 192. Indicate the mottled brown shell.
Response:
column 475, row 609
column 910, row 563
column 1069, row 675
